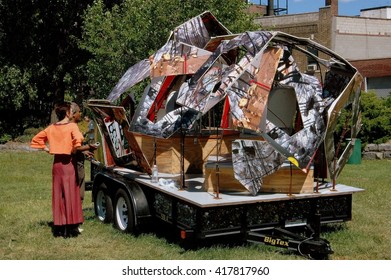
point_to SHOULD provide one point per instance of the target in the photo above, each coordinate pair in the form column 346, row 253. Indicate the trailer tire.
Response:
column 124, row 213
column 103, row 204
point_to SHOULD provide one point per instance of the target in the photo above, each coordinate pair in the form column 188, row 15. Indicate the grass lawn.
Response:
column 25, row 212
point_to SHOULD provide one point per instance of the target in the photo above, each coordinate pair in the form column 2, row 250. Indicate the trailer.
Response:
column 134, row 204
column 229, row 140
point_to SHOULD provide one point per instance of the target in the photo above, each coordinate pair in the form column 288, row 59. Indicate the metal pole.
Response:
column 182, row 154
column 217, row 166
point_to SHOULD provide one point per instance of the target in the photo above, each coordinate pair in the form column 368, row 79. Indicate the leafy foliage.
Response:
column 41, row 62
column 17, row 88
column 376, row 118
column 17, row 91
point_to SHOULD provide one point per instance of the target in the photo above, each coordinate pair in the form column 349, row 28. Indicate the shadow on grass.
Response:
column 60, row 231
column 330, row 228
column 304, row 243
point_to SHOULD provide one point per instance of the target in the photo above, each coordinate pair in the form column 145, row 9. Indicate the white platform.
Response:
column 194, row 193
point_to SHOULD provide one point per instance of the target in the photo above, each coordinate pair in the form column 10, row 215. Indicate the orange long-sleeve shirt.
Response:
column 62, row 138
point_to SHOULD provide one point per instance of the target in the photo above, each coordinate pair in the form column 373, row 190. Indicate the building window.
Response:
column 312, row 64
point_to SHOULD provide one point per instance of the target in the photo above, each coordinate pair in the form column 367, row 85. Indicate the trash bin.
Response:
column 355, row 158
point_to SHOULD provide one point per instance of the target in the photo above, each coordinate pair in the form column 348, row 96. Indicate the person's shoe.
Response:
column 80, row 230
column 58, row 231
column 71, row 231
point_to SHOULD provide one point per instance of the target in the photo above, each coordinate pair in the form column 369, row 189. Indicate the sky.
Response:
column 345, row 7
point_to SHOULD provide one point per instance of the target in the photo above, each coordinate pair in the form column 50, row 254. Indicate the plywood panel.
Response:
column 281, row 181
column 196, row 152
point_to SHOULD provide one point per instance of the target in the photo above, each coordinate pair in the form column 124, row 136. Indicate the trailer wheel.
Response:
column 103, row 205
column 124, row 214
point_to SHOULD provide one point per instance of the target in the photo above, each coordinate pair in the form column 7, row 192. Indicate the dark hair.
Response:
column 62, row 109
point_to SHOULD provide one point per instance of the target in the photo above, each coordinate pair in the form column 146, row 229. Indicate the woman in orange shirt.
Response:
column 63, row 137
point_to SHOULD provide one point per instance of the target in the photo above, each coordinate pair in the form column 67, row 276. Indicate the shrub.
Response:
column 31, row 131
column 27, row 135
column 5, row 138
column 376, row 120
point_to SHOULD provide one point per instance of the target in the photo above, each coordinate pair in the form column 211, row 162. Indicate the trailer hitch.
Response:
column 308, row 243
column 311, row 246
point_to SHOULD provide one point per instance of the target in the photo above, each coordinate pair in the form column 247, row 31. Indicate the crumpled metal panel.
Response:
column 192, row 32
column 169, row 124
column 209, row 84
column 199, row 30
column 350, row 96
column 178, row 59
column 300, row 148
column 252, row 160
column 132, row 76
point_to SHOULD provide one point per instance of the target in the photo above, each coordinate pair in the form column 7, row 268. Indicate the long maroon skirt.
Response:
column 66, row 202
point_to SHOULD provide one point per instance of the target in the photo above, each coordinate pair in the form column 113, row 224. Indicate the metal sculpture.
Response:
column 257, row 75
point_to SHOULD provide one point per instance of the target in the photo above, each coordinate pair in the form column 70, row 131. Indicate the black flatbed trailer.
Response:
column 192, row 215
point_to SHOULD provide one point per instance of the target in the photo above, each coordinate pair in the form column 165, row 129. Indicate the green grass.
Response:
column 25, row 212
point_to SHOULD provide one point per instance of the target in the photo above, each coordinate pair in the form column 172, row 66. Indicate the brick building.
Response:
column 364, row 40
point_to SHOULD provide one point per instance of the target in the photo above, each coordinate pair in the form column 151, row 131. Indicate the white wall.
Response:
column 384, row 12
column 357, row 38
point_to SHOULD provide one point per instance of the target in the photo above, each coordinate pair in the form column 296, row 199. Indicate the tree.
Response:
column 16, row 91
column 41, row 62
column 121, row 36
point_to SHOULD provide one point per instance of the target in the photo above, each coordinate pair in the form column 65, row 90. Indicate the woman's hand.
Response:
column 88, row 155
column 94, row 146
